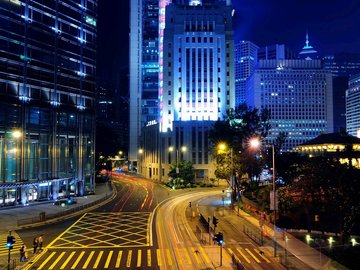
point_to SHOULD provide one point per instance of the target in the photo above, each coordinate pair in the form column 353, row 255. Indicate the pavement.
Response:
column 12, row 219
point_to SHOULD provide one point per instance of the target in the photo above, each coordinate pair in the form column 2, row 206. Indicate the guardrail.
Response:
column 43, row 217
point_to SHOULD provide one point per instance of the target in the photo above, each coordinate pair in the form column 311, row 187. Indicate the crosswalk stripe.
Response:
column 187, row 256
column 252, row 255
column 47, row 259
column 169, row 257
column 67, row 260
column 149, row 257
column 196, row 255
column 78, row 260
column 138, row 264
column 202, row 251
column 88, row 260
column 118, row 259
column 128, row 262
column 98, row 259
column 107, row 263
column 233, row 253
column 262, row 256
column 179, row 258
column 242, row 254
column 57, row 260
column 158, row 255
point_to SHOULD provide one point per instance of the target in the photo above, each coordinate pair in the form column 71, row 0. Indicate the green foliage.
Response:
column 186, row 171
column 237, row 159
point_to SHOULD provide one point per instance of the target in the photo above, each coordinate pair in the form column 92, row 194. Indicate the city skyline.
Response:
column 332, row 27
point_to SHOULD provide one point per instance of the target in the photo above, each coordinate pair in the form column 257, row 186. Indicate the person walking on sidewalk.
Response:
column 23, row 253
column 40, row 242
column 35, row 243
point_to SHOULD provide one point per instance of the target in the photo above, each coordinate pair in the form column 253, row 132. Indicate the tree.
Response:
column 186, row 171
column 239, row 126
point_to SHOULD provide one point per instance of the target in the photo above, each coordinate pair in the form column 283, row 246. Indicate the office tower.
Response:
column 353, row 106
column 47, row 99
column 196, row 83
column 144, row 68
column 277, row 51
column 298, row 94
column 245, row 59
column 342, row 66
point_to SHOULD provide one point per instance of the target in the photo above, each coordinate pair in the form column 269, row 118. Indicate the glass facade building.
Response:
column 47, row 99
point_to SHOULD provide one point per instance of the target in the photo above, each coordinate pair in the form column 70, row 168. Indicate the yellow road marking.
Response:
column 108, row 259
column 88, row 260
column 178, row 256
column 158, row 255
column 118, row 259
column 233, row 254
column 47, row 259
column 262, row 256
column 78, row 260
column 187, row 256
column 252, row 255
column 57, row 260
column 128, row 262
column 149, row 257
column 67, row 260
column 98, row 259
column 138, row 264
column 244, row 256
column 196, row 255
column 169, row 257
column 202, row 251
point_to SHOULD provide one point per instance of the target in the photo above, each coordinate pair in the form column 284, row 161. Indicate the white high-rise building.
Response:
column 196, row 84
column 298, row 94
column 353, row 106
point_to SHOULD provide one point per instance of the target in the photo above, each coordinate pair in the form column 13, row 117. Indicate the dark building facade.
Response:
column 47, row 99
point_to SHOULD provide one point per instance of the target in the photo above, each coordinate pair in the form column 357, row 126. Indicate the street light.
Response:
column 182, row 149
column 255, row 143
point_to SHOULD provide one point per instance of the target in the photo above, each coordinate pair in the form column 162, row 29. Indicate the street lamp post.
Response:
column 255, row 143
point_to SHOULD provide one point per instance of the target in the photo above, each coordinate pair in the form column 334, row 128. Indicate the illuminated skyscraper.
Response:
column 47, row 98
column 353, row 106
column 298, row 94
column 245, row 60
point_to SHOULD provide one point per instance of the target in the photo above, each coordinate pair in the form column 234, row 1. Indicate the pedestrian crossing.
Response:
column 16, row 247
column 142, row 258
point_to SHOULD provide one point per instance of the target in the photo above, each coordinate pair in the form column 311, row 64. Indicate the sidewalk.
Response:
column 12, row 216
column 293, row 246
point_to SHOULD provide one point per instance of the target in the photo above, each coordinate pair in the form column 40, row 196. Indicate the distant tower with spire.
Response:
column 308, row 52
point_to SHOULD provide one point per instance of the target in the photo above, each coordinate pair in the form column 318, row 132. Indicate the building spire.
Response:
column 307, row 39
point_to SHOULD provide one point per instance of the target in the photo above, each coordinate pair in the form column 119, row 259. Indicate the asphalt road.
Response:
column 146, row 226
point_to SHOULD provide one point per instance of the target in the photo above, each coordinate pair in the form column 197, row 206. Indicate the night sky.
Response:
column 333, row 26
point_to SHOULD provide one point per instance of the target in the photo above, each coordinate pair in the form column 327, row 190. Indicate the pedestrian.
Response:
column 22, row 253
column 35, row 243
column 40, row 242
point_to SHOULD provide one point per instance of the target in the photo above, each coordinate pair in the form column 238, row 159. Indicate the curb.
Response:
column 50, row 221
